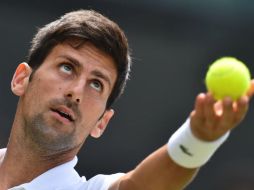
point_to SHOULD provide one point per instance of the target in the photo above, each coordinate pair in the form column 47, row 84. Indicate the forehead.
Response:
column 84, row 51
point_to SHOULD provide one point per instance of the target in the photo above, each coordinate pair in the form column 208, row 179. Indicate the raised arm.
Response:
column 209, row 121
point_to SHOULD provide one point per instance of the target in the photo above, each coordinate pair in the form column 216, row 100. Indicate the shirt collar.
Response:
column 56, row 178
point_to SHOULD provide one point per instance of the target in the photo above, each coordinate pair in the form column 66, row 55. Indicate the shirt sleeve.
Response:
column 102, row 182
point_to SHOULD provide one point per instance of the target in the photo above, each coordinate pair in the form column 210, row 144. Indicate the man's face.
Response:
column 66, row 98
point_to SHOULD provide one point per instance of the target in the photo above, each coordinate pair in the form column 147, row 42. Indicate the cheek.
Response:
column 38, row 92
column 91, row 112
column 92, row 109
column 83, row 131
column 45, row 86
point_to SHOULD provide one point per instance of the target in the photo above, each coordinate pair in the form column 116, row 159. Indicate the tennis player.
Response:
column 77, row 67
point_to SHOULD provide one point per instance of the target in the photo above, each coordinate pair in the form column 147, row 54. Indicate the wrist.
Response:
column 186, row 150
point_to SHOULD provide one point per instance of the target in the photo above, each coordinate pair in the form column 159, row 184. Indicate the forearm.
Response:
column 209, row 128
column 158, row 172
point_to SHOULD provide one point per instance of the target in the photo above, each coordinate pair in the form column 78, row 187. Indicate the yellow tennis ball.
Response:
column 228, row 77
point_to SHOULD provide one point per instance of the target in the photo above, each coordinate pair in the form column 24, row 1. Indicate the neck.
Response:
column 23, row 160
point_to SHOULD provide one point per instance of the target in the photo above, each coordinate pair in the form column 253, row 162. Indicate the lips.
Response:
column 64, row 112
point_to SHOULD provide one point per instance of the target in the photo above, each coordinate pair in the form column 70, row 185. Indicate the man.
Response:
column 77, row 66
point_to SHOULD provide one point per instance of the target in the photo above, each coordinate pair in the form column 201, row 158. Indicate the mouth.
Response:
column 64, row 113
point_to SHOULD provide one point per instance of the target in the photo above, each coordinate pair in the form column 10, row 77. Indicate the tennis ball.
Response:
column 228, row 77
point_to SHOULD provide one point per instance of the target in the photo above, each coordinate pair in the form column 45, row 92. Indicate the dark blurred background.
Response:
column 173, row 42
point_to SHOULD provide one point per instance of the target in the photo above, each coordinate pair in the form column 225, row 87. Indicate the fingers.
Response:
column 197, row 115
column 204, row 110
column 209, row 108
column 228, row 117
column 211, row 119
column 199, row 106
column 250, row 92
column 233, row 112
column 242, row 108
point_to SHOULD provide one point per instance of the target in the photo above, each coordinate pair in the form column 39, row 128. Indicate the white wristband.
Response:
column 188, row 151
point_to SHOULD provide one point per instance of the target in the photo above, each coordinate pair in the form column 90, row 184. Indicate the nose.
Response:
column 69, row 95
column 75, row 90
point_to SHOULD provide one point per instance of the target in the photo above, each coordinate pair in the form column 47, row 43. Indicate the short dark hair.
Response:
column 88, row 26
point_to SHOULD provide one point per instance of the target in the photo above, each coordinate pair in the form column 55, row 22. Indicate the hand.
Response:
column 211, row 119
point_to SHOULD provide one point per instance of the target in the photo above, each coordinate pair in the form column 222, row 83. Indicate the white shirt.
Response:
column 65, row 177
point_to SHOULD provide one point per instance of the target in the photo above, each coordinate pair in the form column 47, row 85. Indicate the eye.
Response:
column 66, row 68
column 97, row 85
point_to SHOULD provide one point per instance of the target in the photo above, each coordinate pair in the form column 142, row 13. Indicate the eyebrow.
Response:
column 72, row 60
column 96, row 73
column 103, row 76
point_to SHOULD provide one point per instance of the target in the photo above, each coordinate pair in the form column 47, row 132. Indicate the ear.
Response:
column 20, row 79
column 101, row 125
